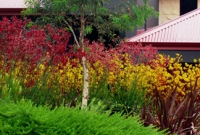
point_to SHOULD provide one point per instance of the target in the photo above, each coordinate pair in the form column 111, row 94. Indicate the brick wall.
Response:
column 198, row 4
column 169, row 9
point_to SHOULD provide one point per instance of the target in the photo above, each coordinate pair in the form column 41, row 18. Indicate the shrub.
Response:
column 48, row 73
column 136, row 52
column 24, row 118
column 18, row 42
column 175, row 95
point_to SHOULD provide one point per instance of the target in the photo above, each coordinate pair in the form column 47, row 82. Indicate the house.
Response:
column 180, row 35
column 168, row 10
column 171, row 9
column 11, row 7
column 177, row 31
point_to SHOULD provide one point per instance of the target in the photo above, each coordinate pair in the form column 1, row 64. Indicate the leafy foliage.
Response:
column 137, row 52
column 175, row 95
column 17, row 42
column 105, row 15
column 44, row 69
column 24, row 118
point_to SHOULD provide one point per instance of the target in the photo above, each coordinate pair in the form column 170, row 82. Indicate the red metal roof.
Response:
column 12, row 4
column 184, row 29
column 11, row 7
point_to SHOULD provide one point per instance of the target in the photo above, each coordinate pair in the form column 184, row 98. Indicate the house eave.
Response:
column 174, row 45
column 10, row 11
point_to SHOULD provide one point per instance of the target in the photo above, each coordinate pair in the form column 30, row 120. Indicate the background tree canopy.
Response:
column 105, row 16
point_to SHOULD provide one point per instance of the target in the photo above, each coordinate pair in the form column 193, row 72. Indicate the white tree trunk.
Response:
column 80, row 44
column 85, row 95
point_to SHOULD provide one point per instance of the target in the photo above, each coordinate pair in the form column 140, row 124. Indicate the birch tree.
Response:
column 83, row 15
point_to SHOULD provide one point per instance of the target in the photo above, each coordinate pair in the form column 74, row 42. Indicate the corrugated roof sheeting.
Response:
column 185, row 28
column 12, row 4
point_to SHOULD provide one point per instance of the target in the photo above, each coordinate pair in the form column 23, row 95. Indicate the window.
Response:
column 187, row 6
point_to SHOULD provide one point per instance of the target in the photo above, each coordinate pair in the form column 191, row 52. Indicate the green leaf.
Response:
column 30, row 24
column 88, row 29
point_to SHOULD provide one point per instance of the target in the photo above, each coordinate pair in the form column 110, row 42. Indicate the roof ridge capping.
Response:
column 150, row 35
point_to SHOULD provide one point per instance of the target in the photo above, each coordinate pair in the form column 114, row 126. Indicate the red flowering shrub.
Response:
column 137, row 52
column 17, row 42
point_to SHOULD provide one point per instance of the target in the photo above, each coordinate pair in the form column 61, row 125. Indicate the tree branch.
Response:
column 72, row 33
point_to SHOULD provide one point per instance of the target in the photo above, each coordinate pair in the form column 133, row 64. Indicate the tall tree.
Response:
column 105, row 15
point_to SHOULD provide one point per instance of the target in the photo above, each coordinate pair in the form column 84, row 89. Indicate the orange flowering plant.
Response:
column 48, row 73
column 175, row 95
